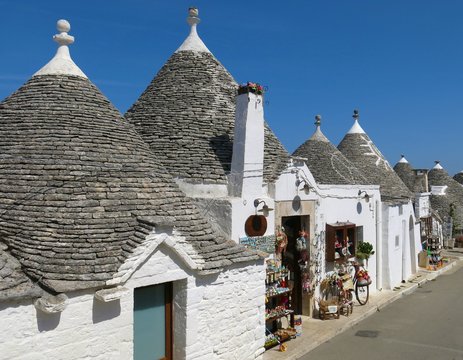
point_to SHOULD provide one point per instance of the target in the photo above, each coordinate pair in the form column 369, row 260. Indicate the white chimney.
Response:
column 248, row 147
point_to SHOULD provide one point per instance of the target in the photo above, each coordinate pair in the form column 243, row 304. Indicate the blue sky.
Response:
column 400, row 62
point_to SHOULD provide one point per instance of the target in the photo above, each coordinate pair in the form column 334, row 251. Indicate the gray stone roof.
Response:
column 76, row 182
column 13, row 281
column 326, row 163
column 414, row 179
column 187, row 115
column 453, row 194
column 363, row 153
column 458, row 177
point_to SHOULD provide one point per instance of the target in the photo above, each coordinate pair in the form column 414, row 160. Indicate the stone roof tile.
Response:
column 75, row 180
column 362, row 152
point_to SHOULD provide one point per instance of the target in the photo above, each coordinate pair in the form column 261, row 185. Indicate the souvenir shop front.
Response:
column 289, row 290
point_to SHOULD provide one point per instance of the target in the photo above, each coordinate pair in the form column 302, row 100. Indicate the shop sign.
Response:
column 261, row 243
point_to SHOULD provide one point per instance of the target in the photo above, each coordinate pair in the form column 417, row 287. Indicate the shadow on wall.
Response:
column 222, row 145
column 47, row 322
column 105, row 311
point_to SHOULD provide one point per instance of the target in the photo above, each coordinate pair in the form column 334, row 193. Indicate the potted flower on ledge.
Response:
column 251, row 87
column 364, row 251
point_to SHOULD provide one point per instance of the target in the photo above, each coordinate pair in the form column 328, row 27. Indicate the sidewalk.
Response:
column 315, row 332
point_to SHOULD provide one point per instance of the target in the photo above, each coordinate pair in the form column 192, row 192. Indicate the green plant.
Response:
column 364, row 250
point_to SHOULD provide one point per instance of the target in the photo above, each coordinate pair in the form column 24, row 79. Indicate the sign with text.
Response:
column 261, row 243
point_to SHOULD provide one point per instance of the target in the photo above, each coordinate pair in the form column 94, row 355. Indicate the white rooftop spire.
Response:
column 62, row 64
column 193, row 41
column 438, row 165
column 403, row 160
column 356, row 128
column 318, row 135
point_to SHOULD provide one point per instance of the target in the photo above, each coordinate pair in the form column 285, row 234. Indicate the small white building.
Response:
column 102, row 256
column 398, row 230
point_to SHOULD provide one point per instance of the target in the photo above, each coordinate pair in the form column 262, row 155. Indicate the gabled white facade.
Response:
column 214, row 315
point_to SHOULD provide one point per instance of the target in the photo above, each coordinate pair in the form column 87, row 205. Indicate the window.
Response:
column 359, row 234
column 340, row 241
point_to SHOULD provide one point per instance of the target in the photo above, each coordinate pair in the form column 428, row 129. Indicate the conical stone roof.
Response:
column 326, row 163
column 187, row 115
column 405, row 171
column 458, row 177
column 80, row 190
column 362, row 152
column 437, row 176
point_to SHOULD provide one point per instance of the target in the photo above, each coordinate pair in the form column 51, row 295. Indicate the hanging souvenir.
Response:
column 281, row 241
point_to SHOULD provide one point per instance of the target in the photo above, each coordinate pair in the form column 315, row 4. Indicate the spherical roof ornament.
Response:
column 193, row 41
column 193, row 18
column 62, row 63
column 318, row 120
column 356, row 114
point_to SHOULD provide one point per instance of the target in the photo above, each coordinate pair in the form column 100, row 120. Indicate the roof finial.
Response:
column 438, row 165
column 193, row 42
column 63, row 38
column 402, row 159
column 62, row 64
column 356, row 128
column 193, row 18
column 318, row 120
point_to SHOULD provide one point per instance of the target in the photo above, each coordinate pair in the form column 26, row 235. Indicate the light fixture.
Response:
column 365, row 196
column 265, row 209
column 306, row 188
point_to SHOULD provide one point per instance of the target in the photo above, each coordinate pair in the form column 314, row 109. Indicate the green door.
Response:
column 152, row 322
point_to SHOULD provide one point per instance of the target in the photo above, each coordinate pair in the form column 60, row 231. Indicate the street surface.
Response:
column 427, row 324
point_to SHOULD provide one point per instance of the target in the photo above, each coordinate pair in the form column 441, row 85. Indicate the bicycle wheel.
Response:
column 362, row 293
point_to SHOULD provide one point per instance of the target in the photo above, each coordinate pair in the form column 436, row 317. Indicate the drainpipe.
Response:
column 379, row 247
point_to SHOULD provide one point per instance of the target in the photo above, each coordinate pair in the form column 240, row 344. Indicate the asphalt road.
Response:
column 427, row 324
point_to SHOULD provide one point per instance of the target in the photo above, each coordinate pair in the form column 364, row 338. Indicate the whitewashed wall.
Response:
column 400, row 244
column 216, row 317
column 343, row 204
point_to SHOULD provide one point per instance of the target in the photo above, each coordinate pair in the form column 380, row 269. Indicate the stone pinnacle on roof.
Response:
column 193, row 42
column 363, row 153
column 62, row 64
column 438, row 165
column 326, row 163
column 356, row 128
column 402, row 159
column 318, row 135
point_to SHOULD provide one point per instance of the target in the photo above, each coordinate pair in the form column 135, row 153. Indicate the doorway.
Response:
column 294, row 258
column 152, row 328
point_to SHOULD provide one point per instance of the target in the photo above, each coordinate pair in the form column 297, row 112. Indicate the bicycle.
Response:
column 361, row 281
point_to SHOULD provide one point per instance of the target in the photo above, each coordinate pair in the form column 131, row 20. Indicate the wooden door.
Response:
column 152, row 334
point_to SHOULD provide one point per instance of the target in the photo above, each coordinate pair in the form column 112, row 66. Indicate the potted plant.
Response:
column 364, row 251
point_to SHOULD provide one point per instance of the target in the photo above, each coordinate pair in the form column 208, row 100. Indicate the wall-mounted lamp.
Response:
column 265, row 209
column 365, row 196
column 306, row 188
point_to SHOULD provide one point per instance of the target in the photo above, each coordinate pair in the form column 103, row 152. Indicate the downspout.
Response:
column 379, row 247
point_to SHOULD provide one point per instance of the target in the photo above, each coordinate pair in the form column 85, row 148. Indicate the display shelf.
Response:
column 287, row 292
column 279, row 316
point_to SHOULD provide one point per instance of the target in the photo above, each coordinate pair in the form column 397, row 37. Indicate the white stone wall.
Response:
column 343, row 204
column 399, row 257
column 215, row 317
